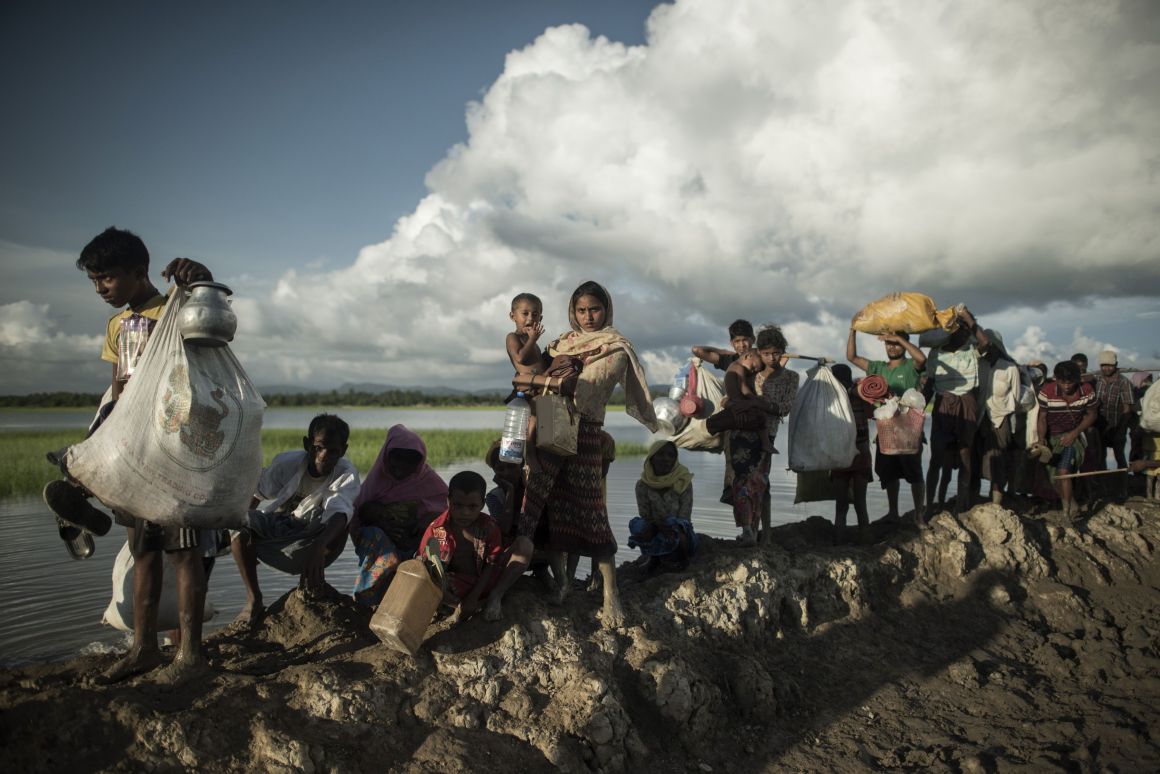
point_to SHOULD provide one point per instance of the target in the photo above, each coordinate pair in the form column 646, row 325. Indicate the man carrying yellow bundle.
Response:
column 953, row 369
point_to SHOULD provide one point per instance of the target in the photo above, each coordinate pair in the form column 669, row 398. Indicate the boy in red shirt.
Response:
column 470, row 546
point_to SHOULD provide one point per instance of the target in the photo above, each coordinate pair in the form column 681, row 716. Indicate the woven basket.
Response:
column 901, row 433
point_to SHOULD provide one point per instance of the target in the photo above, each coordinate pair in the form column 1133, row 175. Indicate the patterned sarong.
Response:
column 378, row 557
column 1066, row 459
column 564, row 507
column 750, row 476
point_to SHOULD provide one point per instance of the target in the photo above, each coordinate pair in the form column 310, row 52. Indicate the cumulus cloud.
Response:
column 784, row 161
column 778, row 161
column 38, row 357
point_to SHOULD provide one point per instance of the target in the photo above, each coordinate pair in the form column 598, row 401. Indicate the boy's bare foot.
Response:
column 593, row 583
column 541, row 574
column 133, row 663
column 563, row 589
column 746, row 538
column 1073, row 510
column 612, row 616
column 183, row 670
column 493, row 611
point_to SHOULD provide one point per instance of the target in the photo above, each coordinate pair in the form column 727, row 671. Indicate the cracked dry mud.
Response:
column 991, row 642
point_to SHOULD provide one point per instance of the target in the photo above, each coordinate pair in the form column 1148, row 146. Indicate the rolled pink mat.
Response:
column 873, row 389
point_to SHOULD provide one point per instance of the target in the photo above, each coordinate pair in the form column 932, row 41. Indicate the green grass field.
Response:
column 24, row 471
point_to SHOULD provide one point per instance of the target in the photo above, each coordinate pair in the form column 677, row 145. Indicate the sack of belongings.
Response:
column 183, row 445
column 822, row 435
column 907, row 312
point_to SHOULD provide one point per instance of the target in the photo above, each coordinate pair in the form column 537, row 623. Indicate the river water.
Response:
column 52, row 605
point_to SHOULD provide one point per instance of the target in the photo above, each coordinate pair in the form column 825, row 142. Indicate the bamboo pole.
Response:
column 820, row 359
column 1093, row 473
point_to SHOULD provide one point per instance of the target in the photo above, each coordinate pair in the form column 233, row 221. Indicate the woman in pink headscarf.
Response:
column 398, row 499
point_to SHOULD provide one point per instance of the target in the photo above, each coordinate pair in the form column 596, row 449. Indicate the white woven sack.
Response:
column 1150, row 409
column 119, row 613
column 694, row 435
column 183, row 445
column 822, row 435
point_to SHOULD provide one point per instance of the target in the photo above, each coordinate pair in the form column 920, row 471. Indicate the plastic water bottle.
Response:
column 515, row 430
column 131, row 344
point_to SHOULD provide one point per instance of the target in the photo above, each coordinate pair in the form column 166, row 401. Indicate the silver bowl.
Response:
column 669, row 416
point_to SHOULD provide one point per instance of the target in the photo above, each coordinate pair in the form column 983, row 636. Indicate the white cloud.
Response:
column 38, row 357
column 776, row 161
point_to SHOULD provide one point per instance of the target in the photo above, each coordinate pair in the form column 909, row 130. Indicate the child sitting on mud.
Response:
column 471, row 548
column 663, row 528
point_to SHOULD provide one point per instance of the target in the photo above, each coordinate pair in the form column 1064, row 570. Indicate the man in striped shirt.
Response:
column 1067, row 407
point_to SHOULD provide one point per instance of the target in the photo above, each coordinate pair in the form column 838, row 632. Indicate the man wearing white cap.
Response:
column 1116, row 404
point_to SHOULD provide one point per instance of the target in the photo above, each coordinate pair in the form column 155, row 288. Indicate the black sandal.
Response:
column 70, row 505
column 78, row 542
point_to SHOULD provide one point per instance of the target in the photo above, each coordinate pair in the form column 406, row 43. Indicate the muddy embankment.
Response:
column 991, row 642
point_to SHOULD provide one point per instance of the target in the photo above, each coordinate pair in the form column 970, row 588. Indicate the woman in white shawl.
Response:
column 564, row 510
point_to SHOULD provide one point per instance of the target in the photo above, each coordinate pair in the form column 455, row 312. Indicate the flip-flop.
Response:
column 78, row 542
column 71, row 506
column 434, row 564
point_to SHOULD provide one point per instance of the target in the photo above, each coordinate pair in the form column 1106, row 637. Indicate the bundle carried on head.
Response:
column 909, row 312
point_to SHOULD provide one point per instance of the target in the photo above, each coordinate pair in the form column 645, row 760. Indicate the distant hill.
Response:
column 374, row 388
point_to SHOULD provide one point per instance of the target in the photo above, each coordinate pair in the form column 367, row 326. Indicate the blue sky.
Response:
column 277, row 133
column 376, row 180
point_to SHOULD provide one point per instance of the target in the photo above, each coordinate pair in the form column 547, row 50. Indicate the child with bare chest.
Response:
column 522, row 347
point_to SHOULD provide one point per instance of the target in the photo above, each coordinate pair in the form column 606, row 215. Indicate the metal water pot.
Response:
column 668, row 416
column 206, row 319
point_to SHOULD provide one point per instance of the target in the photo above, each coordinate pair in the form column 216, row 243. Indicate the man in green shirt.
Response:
column 901, row 374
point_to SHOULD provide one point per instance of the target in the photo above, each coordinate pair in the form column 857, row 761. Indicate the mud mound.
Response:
column 988, row 642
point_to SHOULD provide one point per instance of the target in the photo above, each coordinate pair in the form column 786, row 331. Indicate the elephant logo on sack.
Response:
column 199, row 426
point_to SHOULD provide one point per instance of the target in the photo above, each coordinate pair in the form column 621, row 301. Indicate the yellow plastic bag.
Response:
column 909, row 312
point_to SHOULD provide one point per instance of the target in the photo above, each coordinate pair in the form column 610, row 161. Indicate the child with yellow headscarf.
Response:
column 664, row 499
